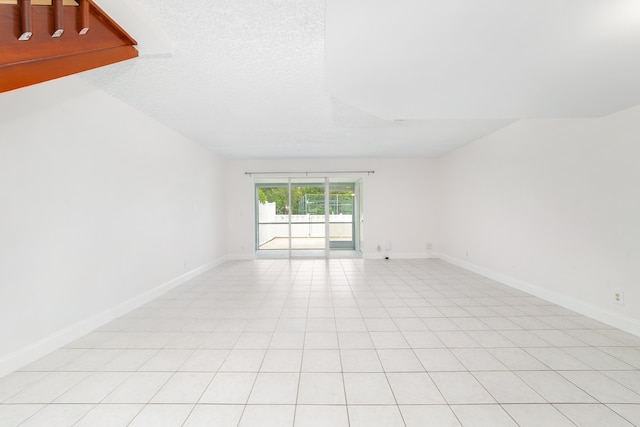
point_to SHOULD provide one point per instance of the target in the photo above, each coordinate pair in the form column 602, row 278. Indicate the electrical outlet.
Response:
column 618, row 297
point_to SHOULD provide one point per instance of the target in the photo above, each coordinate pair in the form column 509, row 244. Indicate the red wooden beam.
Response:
column 29, row 73
column 45, row 57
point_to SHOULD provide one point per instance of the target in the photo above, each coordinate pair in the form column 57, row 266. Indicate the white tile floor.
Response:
column 339, row 343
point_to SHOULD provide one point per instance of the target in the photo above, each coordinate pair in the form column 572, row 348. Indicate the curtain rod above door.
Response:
column 313, row 173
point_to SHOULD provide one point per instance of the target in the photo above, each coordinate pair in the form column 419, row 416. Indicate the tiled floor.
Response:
column 339, row 343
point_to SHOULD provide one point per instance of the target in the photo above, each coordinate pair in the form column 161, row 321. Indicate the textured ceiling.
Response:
column 470, row 59
column 285, row 78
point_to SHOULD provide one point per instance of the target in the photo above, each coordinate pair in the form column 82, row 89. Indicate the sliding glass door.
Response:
column 305, row 216
column 308, row 219
column 341, row 214
column 272, row 211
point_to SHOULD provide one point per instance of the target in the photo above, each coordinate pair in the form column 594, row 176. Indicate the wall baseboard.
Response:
column 241, row 257
column 399, row 255
column 624, row 323
column 35, row 351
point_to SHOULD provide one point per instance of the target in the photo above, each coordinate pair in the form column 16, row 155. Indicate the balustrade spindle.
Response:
column 84, row 17
column 58, row 18
column 26, row 29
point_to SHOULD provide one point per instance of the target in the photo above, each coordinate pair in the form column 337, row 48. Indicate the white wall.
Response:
column 399, row 188
column 99, row 205
column 552, row 206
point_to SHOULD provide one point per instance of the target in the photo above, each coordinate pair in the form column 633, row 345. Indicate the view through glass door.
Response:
column 305, row 216
column 308, row 217
column 341, row 216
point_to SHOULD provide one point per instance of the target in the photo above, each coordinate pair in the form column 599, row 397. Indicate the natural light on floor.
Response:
column 355, row 343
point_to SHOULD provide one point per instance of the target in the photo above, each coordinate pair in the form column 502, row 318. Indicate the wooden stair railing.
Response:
column 41, row 40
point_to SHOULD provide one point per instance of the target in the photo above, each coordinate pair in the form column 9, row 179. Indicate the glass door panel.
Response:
column 308, row 222
column 273, row 216
column 341, row 213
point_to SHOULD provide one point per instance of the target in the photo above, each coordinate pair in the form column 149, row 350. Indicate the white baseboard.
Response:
column 241, row 257
column 35, row 351
column 398, row 255
column 624, row 323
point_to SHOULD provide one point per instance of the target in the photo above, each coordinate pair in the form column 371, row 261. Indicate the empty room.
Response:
column 320, row 213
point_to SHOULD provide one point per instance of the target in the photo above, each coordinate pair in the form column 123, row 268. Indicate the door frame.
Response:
column 356, row 216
